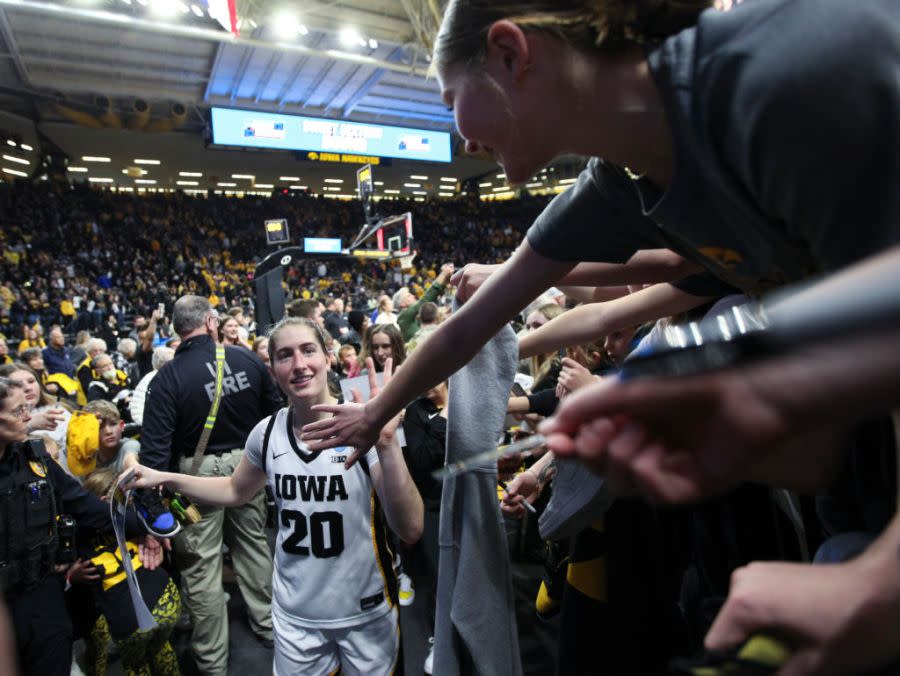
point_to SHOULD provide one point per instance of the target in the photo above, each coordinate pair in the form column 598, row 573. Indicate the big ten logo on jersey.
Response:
column 231, row 382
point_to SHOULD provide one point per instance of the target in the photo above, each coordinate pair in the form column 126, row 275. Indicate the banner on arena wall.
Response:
column 325, row 139
column 343, row 158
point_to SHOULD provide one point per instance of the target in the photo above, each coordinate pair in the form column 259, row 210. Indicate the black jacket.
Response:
column 426, row 433
column 35, row 491
column 180, row 396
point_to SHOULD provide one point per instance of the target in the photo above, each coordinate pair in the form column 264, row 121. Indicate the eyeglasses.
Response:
column 20, row 412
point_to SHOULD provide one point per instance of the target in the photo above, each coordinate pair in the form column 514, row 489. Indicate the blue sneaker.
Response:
column 158, row 520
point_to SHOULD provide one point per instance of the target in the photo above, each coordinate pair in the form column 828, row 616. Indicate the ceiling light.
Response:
column 25, row 146
column 501, row 175
column 419, row 178
column 14, row 172
column 503, row 187
column 94, row 179
column 288, row 178
column 145, row 181
column 303, row 30
column 17, row 160
column 197, row 11
column 392, row 192
column 140, row 161
column 195, row 174
column 164, row 7
column 420, row 199
column 130, row 171
column 94, row 158
column 419, row 192
column 334, row 180
column 298, row 187
column 412, row 185
column 445, row 194
column 184, row 8
column 187, row 182
column 226, row 185
column 285, row 25
column 373, row 43
column 10, row 142
column 534, row 185
column 484, row 185
column 253, row 24
column 248, row 177
column 349, row 37
column 447, row 179
column 262, row 186
column 76, row 169
column 567, row 181
column 379, row 182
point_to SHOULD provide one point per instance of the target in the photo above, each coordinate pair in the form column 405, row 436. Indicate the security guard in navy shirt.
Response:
column 179, row 405
column 34, row 491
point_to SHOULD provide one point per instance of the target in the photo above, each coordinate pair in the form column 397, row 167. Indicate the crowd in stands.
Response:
column 78, row 257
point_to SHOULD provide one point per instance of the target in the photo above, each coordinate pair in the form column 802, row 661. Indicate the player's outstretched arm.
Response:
column 231, row 491
column 396, row 491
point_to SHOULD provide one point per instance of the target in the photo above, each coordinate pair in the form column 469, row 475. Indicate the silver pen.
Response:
column 524, row 502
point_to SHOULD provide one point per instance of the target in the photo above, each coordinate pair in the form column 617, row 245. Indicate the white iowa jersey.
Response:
column 332, row 564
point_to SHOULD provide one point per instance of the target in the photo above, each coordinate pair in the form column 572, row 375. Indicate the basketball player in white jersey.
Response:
column 333, row 602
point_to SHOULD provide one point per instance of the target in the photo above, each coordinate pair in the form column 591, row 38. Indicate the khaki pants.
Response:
column 198, row 554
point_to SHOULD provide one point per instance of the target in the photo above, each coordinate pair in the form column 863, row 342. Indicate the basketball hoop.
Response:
column 407, row 261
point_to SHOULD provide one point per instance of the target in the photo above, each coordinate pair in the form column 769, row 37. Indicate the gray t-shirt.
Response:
column 126, row 447
column 785, row 118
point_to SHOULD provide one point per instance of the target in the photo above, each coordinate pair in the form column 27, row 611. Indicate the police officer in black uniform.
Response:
column 179, row 400
column 34, row 491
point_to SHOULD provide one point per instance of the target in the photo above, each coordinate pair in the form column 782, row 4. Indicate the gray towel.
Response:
column 475, row 626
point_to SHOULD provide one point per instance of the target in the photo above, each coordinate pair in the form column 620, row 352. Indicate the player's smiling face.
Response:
column 300, row 366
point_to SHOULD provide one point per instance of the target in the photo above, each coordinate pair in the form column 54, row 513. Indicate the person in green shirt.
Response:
column 408, row 318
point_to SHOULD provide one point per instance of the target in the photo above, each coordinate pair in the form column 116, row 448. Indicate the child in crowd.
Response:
column 142, row 652
column 105, row 450
column 348, row 360
column 94, row 442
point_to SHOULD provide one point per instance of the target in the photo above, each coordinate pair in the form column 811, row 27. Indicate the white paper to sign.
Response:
column 117, row 514
column 361, row 383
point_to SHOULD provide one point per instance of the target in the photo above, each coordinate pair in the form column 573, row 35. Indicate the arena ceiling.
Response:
column 83, row 70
